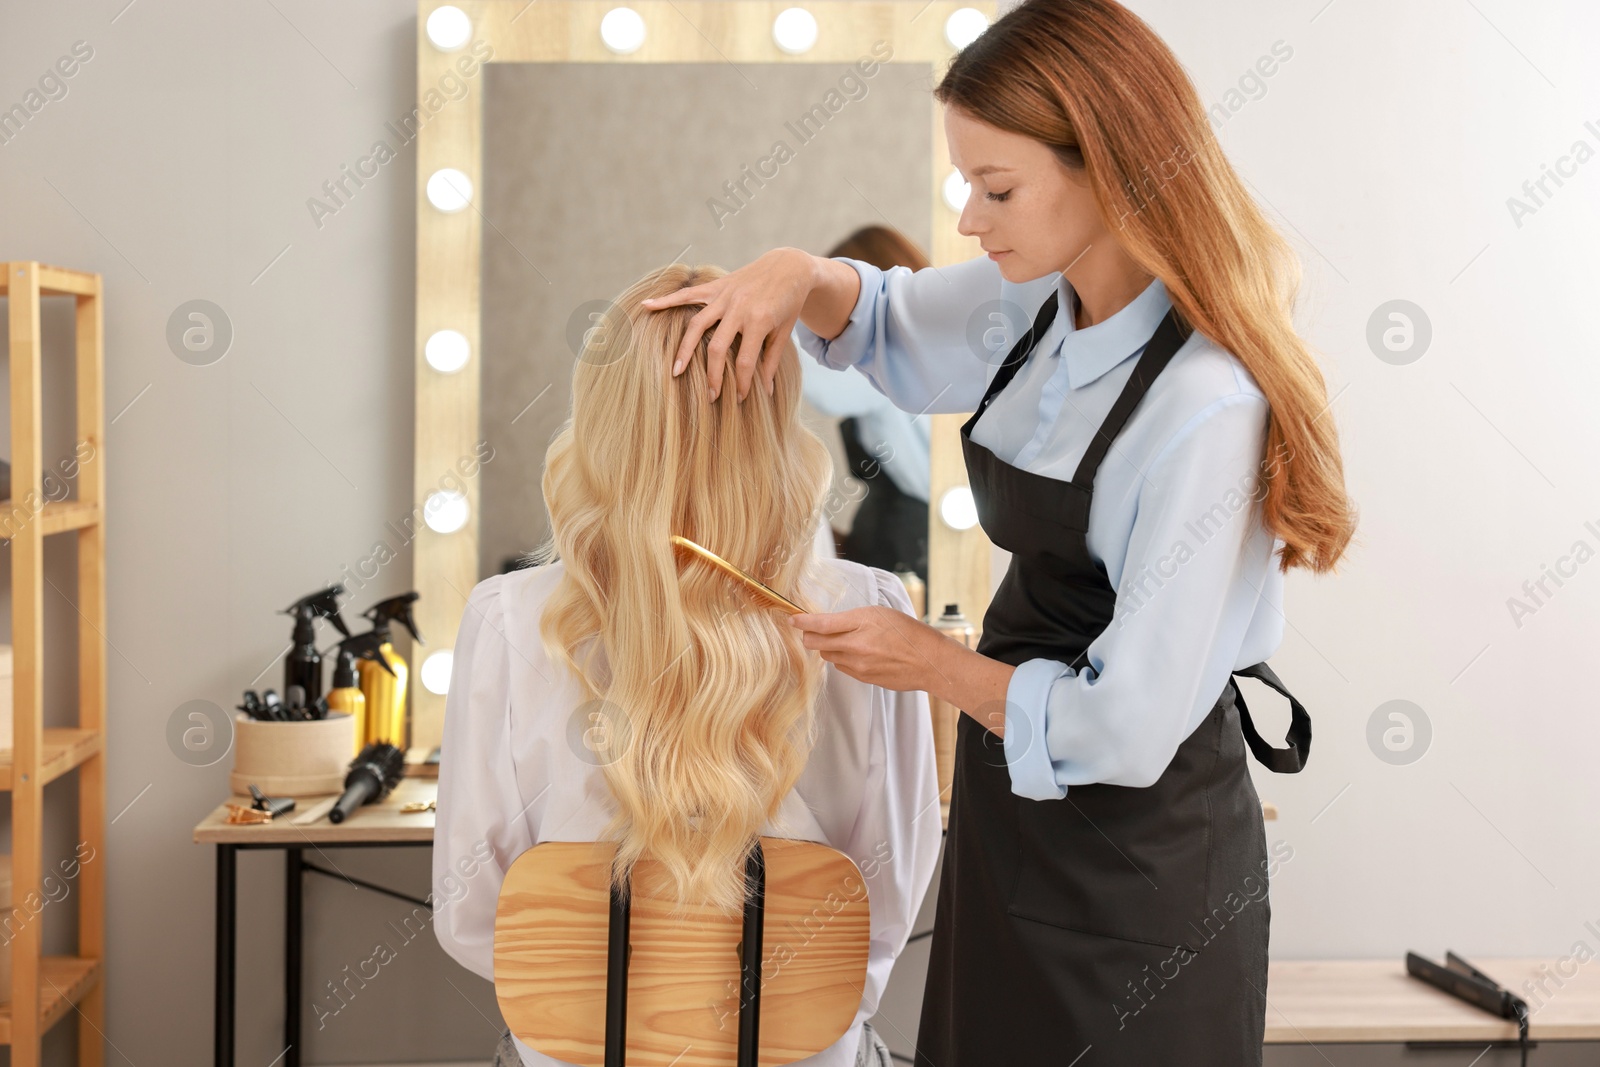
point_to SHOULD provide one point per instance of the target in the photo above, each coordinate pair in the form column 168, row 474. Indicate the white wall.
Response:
column 1388, row 146
column 179, row 164
column 184, row 153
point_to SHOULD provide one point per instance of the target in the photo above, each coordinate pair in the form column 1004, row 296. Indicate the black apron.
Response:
column 1119, row 925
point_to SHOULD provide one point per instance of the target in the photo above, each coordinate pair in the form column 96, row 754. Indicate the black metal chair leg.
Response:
column 617, row 978
column 750, row 962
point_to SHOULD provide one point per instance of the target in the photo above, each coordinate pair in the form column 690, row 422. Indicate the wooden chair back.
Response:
column 550, row 959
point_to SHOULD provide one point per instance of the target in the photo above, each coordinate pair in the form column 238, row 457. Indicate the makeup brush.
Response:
column 373, row 773
column 763, row 592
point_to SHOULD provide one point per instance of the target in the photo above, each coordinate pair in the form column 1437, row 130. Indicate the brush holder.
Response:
column 291, row 759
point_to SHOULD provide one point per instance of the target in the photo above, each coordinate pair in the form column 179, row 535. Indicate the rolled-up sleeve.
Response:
column 482, row 823
column 1183, row 607
column 919, row 336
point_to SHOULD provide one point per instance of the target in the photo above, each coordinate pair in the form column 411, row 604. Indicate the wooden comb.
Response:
column 762, row 591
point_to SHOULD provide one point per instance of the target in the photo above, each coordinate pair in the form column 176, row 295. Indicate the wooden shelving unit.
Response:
column 46, row 989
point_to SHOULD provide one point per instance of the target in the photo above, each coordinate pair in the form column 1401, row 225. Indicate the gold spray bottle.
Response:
column 346, row 696
column 383, row 683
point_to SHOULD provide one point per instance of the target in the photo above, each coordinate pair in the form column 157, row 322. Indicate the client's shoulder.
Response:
column 518, row 593
column 843, row 584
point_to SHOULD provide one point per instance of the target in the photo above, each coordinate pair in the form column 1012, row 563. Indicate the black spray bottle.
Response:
column 303, row 667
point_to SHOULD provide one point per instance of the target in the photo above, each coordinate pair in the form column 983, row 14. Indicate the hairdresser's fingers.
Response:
column 834, row 648
column 848, row 661
column 689, row 294
column 702, row 321
column 719, row 350
column 857, row 654
column 829, row 622
column 861, row 671
column 706, row 294
column 757, row 329
column 776, row 352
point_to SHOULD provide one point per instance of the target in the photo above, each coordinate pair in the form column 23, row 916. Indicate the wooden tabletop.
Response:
column 1311, row 1001
column 378, row 822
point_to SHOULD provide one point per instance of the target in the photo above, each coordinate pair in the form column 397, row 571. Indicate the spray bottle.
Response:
column 346, row 695
column 303, row 667
column 385, row 686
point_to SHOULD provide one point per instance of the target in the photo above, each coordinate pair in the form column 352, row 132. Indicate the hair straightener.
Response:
column 1464, row 981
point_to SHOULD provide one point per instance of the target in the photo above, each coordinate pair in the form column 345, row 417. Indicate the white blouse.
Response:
column 510, row 776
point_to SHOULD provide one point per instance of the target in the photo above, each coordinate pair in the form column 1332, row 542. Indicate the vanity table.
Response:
column 380, row 825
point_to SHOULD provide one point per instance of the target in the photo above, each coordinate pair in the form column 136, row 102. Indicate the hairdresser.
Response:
column 1152, row 444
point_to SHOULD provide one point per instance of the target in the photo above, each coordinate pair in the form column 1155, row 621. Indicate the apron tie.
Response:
column 1288, row 760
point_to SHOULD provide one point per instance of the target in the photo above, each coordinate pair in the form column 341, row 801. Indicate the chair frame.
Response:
column 749, row 968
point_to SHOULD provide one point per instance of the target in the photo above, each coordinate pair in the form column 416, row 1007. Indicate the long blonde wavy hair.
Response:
column 1090, row 79
column 701, row 700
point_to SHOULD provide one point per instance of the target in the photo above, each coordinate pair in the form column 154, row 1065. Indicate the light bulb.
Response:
column 957, row 508
column 448, row 28
column 794, row 30
column 447, row 351
column 435, row 672
column 449, row 190
column 622, row 30
column 956, row 190
column 964, row 26
column 445, row 511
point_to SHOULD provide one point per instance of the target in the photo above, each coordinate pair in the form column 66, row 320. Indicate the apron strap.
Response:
column 1015, row 358
column 1158, row 352
column 1288, row 760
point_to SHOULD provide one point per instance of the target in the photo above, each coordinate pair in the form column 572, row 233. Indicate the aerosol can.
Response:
column 947, row 717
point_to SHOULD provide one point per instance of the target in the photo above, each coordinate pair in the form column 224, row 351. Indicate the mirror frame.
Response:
column 449, row 248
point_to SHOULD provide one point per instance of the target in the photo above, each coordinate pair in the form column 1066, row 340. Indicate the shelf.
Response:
column 59, row 516
column 60, row 281
column 63, row 981
column 62, row 750
column 57, row 986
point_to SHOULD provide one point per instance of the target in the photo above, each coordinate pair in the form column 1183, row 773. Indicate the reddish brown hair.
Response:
column 882, row 247
column 1095, row 83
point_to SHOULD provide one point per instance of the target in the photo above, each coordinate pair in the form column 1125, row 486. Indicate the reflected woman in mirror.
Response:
column 617, row 690
column 887, row 449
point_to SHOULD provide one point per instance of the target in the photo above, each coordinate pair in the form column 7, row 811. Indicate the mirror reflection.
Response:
column 594, row 174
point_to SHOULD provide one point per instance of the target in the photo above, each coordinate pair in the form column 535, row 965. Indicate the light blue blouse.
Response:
column 897, row 440
column 1174, row 519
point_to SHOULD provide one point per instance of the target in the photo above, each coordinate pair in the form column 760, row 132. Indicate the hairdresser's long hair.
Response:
column 1095, row 83
column 698, row 701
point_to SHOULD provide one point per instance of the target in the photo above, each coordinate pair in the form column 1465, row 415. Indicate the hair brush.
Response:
column 373, row 773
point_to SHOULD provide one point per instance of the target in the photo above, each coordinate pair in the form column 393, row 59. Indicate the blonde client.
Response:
column 616, row 690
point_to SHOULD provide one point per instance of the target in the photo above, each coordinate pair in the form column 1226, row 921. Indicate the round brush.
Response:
column 373, row 773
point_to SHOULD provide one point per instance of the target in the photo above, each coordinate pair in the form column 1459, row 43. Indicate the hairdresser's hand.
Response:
column 888, row 648
column 759, row 303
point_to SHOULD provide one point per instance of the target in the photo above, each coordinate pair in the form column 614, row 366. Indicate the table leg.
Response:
column 222, row 1017
column 294, row 912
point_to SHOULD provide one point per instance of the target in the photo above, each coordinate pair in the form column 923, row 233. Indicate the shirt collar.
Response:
column 1092, row 351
